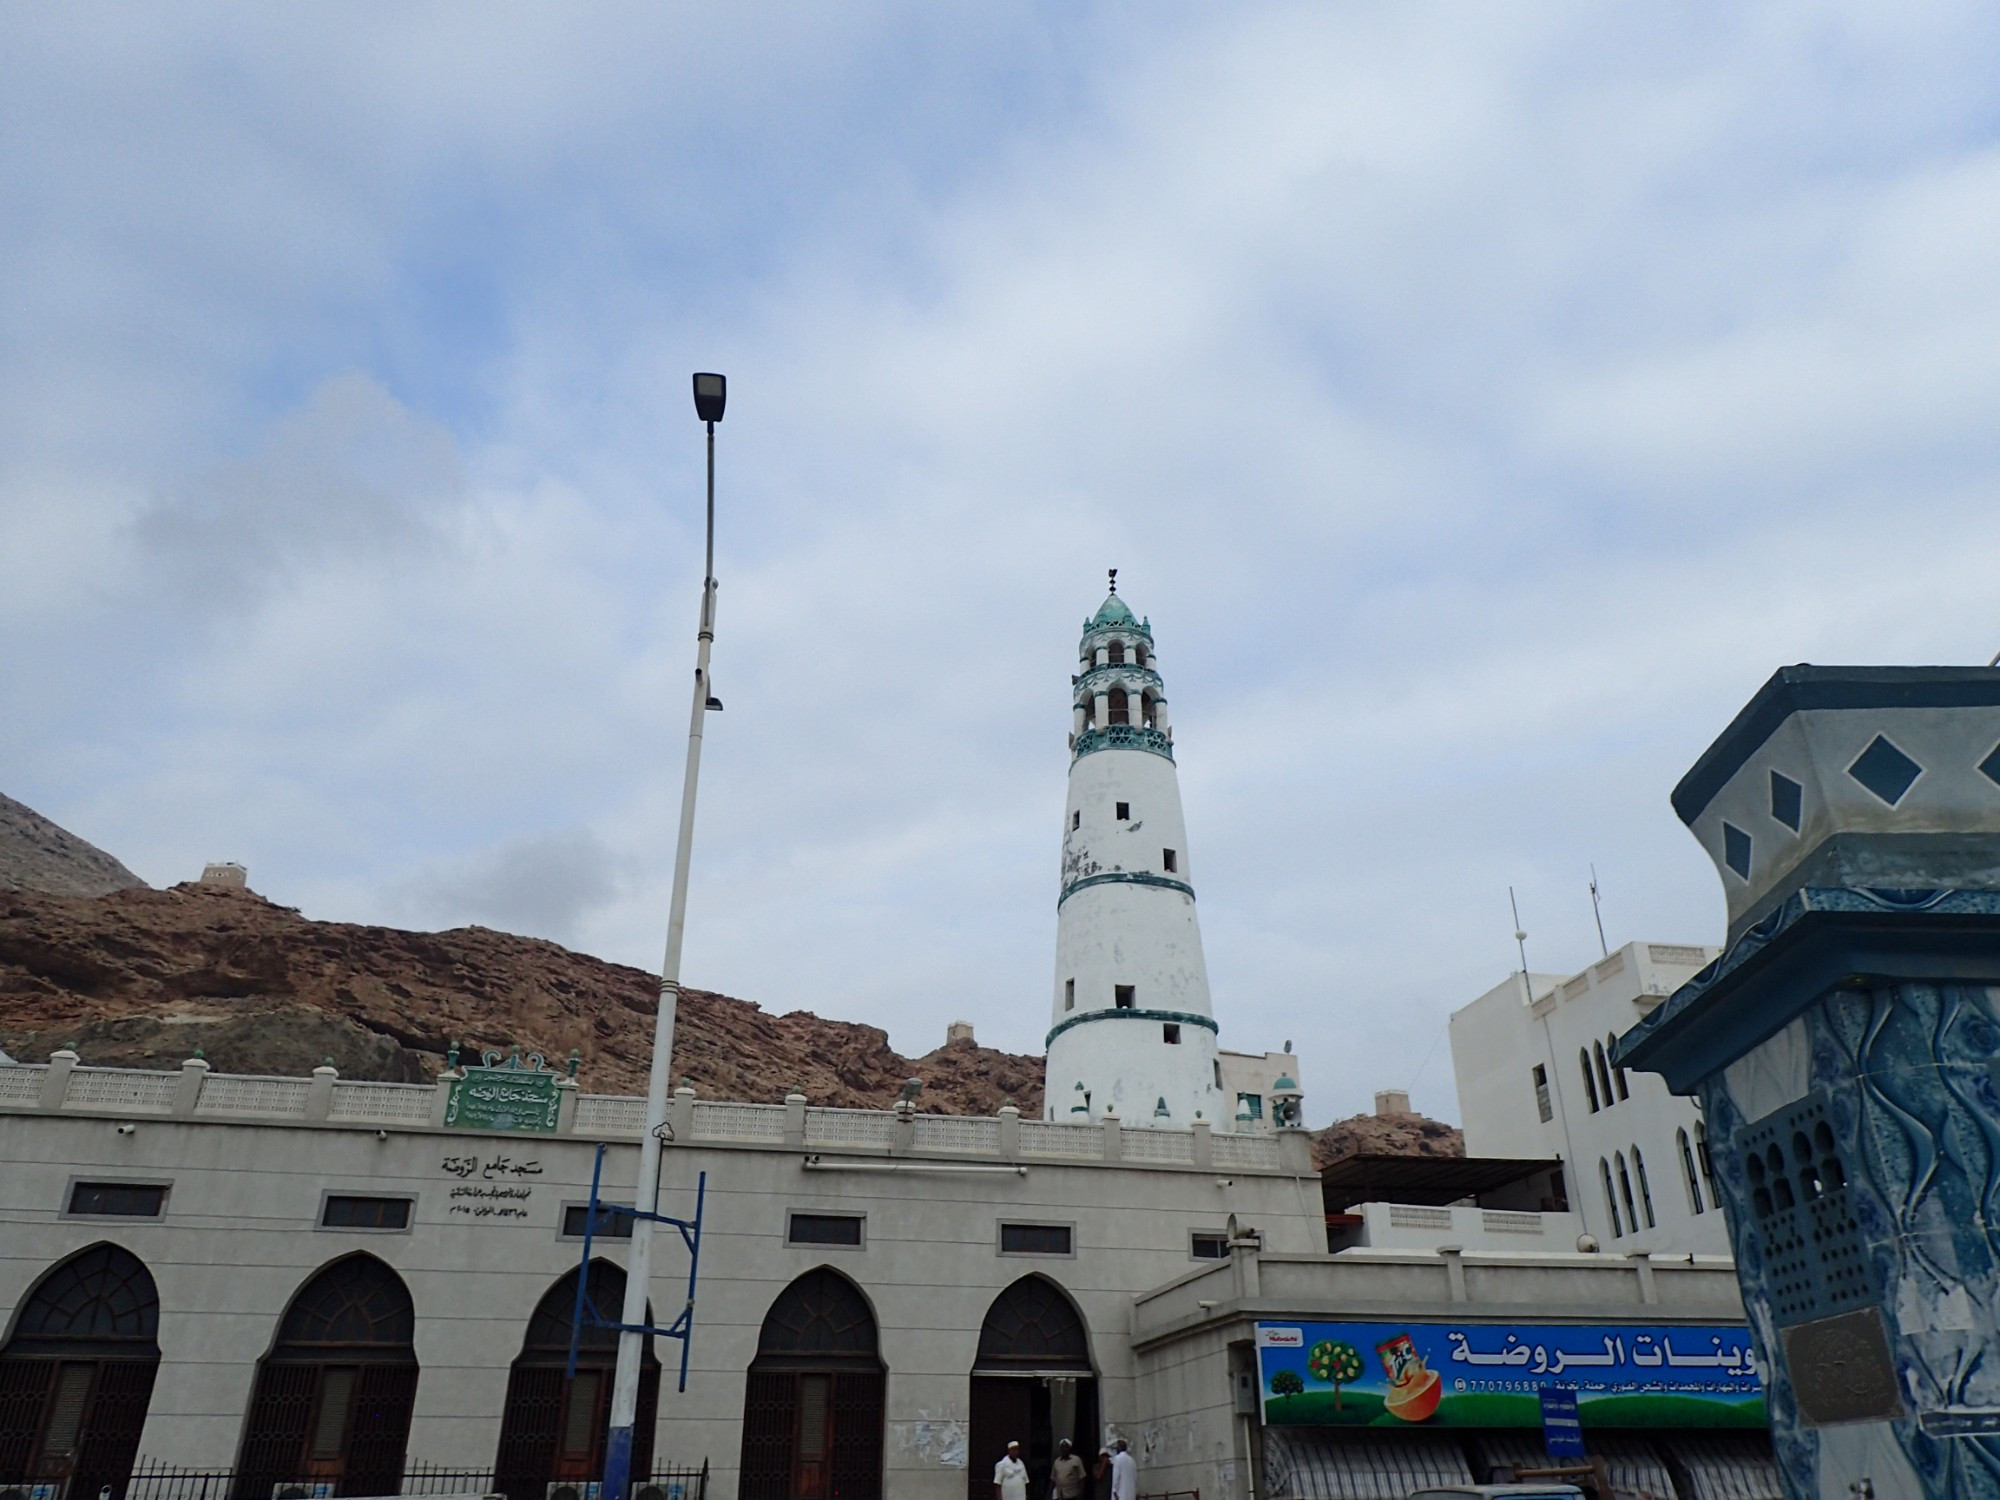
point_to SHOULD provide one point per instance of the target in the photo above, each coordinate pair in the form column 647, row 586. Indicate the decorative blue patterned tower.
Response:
column 1844, row 1049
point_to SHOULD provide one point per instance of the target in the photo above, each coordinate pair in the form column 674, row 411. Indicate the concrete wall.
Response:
column 238, row 1238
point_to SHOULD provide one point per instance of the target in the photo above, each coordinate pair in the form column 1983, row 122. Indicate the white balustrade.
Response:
column 1168, row 1147
column 976, row 1134
column 252, row 1094
column 717, row 1121
column 1048, row 1138
column 22, row 1084
column 121, row 1089
column 383, row 1103
column 610, row 1114
column 851, row 1127
column 1246, row 1151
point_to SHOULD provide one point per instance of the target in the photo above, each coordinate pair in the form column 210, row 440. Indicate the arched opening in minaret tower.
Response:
column 1120, row 711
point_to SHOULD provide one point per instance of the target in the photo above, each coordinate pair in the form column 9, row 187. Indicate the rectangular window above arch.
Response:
column 1037, row 1239
column 117, row 1200
column 387, row 1214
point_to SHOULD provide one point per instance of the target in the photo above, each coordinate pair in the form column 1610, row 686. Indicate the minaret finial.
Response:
column 1114, row 580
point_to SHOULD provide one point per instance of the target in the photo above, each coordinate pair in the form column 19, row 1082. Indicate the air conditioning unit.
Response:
column 50, row 1491
column 303, row 1489
column 573, row 1489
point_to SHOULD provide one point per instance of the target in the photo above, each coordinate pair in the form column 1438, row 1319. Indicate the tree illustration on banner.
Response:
column 1286, row 1383
column 1335, row 1362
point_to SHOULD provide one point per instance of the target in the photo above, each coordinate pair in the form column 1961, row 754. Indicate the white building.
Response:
column 1535, row 1080
column 1131, row 1030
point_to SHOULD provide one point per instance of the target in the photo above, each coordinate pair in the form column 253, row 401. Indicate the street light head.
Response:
column 710, row 392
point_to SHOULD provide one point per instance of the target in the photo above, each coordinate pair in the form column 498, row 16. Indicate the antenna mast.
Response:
column 1521, row 942
column 1598, row 912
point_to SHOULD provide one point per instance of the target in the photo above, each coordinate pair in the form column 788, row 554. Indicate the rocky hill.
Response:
column 36, row 855
column 1387, row 1135
column 140, row 978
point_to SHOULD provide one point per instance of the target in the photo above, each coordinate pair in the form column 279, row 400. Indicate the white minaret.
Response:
column 1132, row 1028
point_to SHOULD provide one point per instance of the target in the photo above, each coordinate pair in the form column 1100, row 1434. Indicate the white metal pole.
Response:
column 638, row 1277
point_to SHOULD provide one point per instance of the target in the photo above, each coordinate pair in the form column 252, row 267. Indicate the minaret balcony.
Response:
column 1121, row 674
column 1124, row 737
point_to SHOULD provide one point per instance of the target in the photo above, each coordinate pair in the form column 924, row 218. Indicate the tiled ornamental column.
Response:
column 1844, row 1050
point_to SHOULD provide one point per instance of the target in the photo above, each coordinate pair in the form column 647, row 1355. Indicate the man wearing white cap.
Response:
column 1010, row 1475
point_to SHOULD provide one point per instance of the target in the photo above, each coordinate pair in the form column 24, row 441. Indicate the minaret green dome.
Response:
column 1111, row 612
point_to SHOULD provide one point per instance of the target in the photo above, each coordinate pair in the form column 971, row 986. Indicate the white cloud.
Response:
column 1481, row 404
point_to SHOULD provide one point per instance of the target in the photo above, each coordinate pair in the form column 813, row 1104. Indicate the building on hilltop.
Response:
column 1535, row 1079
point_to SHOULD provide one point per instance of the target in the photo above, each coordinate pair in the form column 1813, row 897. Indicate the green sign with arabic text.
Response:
column 513, row 1099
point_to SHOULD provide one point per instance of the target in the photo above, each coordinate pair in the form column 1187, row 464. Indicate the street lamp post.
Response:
column 710, row 392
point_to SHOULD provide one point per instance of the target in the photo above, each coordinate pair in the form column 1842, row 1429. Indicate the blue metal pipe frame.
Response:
column 586, row 1309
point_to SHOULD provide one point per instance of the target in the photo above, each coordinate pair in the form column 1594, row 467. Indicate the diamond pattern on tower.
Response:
column 1885, row 770
column 1787, row 800
column 1990, row 767
column 1736, row 849
column 1803, row 1216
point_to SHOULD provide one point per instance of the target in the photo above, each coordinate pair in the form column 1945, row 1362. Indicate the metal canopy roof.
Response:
column 1380, row 1177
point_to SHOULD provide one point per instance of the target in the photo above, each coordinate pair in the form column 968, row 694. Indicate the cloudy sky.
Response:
column 1480, row 400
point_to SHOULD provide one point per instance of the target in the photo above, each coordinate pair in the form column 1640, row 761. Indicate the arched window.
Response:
column 1121, row 713
column 812, row 1407
column 1645, row 1191
column 1610, row 1199
column 1117, row 653
column 1589, row 1078
column 333, row 1397
column 1032, row 1379
column 1617, row 1074
column 1625, row 1191
column 553, row 1428
column 1707, row 1162
column 1689, row 1179
column 1603, row 1074
column 77, row 1376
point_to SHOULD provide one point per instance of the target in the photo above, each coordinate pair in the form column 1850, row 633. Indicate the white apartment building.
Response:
column 1535, row 1079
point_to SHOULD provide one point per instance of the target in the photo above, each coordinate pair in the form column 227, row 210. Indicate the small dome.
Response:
column 1286, row 1084
column 1111, row 612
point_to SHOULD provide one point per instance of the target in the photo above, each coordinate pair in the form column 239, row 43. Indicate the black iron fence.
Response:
column 152, row 1480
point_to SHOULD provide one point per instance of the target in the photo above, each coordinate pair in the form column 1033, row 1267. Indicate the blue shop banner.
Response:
column 1493, row 1374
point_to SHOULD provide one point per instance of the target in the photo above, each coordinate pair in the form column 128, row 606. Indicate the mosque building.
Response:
column 220, row 1287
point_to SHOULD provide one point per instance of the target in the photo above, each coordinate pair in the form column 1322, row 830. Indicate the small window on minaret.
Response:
column 1075, row 820
column 1124, row 811
column 1125, row 995
column 1169, row 860
column 1170, row 1033
column 1069, row 994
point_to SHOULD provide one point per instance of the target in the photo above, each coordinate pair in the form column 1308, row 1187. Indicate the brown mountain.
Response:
column 36, row 855
column 1387, row 1135
column 140, row 978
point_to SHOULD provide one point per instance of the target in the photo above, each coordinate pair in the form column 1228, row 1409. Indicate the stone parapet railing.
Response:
column 191, row 1092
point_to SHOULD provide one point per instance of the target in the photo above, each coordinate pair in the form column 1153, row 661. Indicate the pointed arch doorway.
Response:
column 1032, row 1380
column 552, row 1430
column 333, row 1398
column 76, row 1377
column 813, row 1403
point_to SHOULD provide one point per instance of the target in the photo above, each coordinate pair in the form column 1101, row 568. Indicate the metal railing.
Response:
column 152, row 1480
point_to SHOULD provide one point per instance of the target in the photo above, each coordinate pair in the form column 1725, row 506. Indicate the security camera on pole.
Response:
column 710, row 392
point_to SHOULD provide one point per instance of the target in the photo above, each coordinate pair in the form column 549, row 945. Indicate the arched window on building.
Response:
column 552, row 1430
column 77, row 1375
column 1617, row 1074
column 1645, row 1190
column 1121, row 712
column 813, row 1404
column 332, row 1400
column 1625, row 1191
column 1610, row 1199
column 1690, row 1178
column 1032, row 1379
column 1707, row 1162
column 1603, row 1074
column 1589, row 1078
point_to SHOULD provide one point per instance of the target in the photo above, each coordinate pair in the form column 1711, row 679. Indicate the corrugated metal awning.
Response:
column 1726, row 1465
column 1635, row 1466
column 1327, row 1463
